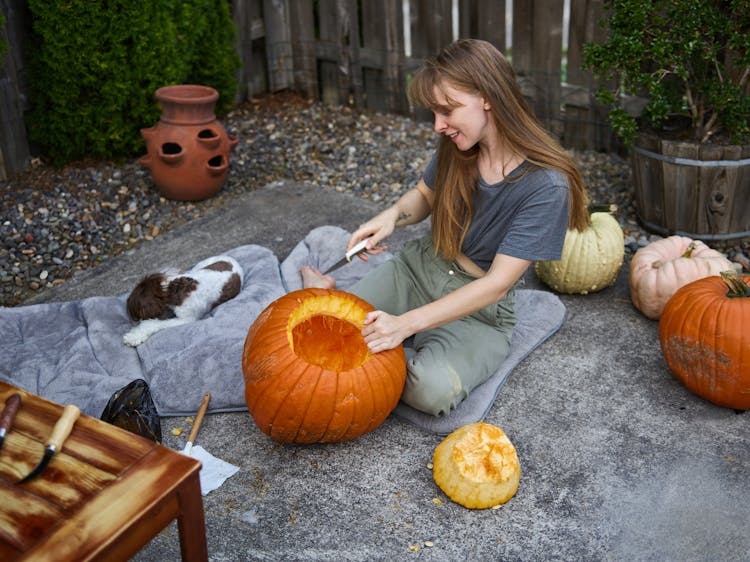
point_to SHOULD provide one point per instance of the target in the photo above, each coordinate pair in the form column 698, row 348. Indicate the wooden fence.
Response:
column 355, row 52
column 361, row 52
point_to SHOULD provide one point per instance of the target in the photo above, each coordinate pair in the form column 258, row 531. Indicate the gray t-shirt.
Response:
column 526, row 219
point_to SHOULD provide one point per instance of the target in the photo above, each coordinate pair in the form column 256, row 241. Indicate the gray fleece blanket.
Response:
column 72, row 352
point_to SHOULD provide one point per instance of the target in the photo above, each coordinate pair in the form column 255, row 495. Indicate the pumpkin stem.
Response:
column 737, row 287
column 689, row 252
column 596, row 208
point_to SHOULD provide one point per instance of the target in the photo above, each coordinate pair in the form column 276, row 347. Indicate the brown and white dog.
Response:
column 169, row 299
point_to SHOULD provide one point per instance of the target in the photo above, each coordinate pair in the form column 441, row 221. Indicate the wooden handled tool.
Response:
column 12, row 404
column 197, row 424
column 60, row 433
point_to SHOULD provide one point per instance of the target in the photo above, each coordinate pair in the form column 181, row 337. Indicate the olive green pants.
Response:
column 446, row 363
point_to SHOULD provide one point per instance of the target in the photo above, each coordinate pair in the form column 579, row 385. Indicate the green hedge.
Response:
column 94, row 67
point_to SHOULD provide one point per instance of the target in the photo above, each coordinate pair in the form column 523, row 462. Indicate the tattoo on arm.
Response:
column 402, row 218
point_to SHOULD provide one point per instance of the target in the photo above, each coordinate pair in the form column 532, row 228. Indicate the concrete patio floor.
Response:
column 619, row 461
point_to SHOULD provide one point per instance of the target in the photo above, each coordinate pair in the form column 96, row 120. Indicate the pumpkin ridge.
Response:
column 285, row 428
column 377, row 396
column 364, row 410
column 268, row 380
column 339, row 408
column 334, row 403
column 260, row 388
column 265, row 335
column 564, row 265
column 581, row 254
column 398, row 380
column 393, row 379
column 354, row 408
column 729, row 315
column 281, row 403
column 708, row 356
column 259, row 361
column 310, row 402
column 375, row 371
column 709, row 325
column 677, row 324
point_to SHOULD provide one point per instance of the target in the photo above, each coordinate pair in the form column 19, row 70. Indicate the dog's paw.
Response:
column 134, row 338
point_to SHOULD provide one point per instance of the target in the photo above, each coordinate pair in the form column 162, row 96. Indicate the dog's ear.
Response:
column 148, row 299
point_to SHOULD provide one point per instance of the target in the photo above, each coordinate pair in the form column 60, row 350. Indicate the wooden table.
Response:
column 103, row 496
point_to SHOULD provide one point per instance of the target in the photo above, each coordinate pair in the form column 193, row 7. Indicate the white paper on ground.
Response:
column 214, row 471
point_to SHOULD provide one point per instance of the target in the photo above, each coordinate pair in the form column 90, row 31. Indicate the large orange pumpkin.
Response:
column 704, row 332
column 309, row 376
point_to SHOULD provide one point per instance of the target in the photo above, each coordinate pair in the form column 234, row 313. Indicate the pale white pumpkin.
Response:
column 476, row 466
column 591, row 259
column 662, row 267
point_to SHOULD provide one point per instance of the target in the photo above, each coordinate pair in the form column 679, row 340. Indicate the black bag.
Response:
column 132, row 408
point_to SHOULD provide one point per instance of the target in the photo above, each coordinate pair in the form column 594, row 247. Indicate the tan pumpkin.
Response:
column 591, row 259
column 662, row 267
column 309, row 375
column 476, row 466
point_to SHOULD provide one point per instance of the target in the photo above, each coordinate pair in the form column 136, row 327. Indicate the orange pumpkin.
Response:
column 309, row 376
column 704, row 332
column 662, row 267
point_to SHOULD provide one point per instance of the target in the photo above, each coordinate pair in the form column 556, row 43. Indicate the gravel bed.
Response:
column 56, row 222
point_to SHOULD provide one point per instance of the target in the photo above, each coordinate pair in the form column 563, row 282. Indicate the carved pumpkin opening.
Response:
column 326, row 331
column 329, row 342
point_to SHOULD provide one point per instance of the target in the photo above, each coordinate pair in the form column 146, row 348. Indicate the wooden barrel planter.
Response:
column 697, row 190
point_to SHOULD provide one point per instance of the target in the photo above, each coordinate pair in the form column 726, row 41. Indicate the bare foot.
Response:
column 312, row 278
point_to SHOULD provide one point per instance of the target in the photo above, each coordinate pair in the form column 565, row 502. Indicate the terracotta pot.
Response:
column 188, row 149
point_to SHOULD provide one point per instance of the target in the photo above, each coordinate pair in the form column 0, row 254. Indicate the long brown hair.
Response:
column 477, row 67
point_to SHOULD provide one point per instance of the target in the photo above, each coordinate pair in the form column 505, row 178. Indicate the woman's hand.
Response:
column 376, row 229
column 412, row 207
column 384, row 331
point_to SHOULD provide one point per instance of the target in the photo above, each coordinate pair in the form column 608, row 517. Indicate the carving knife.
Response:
column 358, row 248
column 12, row 403
column 60, row 433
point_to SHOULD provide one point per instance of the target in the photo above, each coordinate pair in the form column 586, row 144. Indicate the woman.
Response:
column 501, row 193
